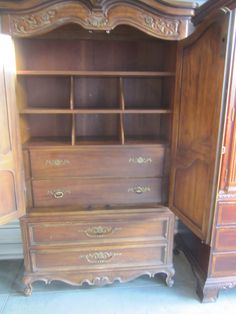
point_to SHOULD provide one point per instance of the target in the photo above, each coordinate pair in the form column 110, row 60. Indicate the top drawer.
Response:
column 102, row 162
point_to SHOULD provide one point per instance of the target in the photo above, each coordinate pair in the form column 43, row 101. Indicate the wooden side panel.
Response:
column 11, row 183
column 197, row 121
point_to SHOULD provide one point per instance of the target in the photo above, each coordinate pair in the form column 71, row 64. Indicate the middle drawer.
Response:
column 106, row 226
column 103, row 162
column 92, row 192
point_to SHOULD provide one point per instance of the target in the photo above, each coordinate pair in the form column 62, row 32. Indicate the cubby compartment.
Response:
column 96, row 93
column 43, row 92
column 147, row 93
column 44, row 129
column 97, row 129
column 146, row 128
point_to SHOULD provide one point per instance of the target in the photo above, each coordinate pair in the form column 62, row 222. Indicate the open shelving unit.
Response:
column 113, row 101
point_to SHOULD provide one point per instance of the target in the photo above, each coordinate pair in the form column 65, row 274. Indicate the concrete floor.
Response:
column 141, row 296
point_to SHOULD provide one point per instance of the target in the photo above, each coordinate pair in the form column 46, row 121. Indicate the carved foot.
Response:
column 169, row 278
column 28, row 286
column 207, row 294
column 28, row 290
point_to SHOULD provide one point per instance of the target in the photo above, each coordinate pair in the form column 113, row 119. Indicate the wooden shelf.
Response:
column 145, row 140
column 96, row 73
column 40, row 142
column 88, row 140
column 160, row 111
column 93, row 111
column 48, row 141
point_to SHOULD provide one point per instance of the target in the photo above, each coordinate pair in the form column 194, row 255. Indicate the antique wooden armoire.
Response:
column 116, row 115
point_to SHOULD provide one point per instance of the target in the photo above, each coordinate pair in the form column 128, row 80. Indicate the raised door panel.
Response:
column 228, row 169
column 11, row 183
column 197, row 124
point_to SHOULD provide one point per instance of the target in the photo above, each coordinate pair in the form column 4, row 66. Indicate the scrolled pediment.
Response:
column 43, row 16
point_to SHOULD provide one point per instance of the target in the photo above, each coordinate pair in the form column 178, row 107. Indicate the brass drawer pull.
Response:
column 139, row 189
column 100, row 231
column 58, row 193
column 140, row 160
column 57, row 162
column 100, row 257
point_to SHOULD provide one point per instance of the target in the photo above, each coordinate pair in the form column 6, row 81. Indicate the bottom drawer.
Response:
column 115, row 256
column 224, row 264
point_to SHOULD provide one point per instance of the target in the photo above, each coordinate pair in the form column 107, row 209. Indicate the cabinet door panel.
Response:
column 197, row 122
column 11, row 182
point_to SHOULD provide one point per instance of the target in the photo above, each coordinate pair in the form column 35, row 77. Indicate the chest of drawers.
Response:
column 99, row 246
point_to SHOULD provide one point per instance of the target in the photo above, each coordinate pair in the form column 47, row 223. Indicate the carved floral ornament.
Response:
column 97, row 20
column 162, row 25
column 100, row 257
column 31, row 22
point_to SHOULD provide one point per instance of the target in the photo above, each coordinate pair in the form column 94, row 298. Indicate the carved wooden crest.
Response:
column 162, row 25
column 102, row 15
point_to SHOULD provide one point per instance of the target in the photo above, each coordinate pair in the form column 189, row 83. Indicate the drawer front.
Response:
column 224, row 264
column 115, row 256
column 225, row 239
column 226, row 214
column 92, row 192
column 100, row 229
column 102, row 162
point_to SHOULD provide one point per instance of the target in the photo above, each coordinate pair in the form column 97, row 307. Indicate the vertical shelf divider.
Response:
column 72, row 105
column 122, row 107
